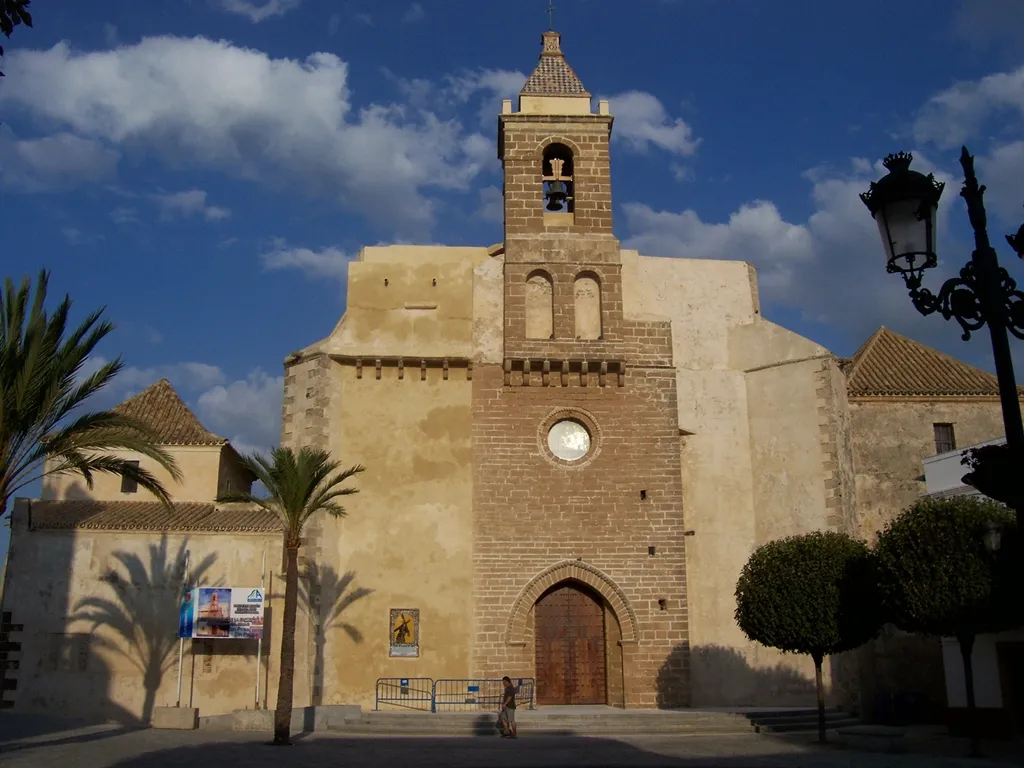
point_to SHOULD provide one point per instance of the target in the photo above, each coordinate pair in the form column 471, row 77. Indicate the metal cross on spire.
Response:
column 551, row 16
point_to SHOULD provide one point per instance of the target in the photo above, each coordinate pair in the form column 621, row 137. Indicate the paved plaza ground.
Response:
column 32, row 742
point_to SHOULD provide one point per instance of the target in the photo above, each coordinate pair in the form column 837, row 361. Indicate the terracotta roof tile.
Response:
column 892, row 365
column 553, row 76
column 160, row 407
column 150, row 516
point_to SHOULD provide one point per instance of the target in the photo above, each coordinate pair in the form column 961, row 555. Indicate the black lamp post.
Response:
column 904, row 204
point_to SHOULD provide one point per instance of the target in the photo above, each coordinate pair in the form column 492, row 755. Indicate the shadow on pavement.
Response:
column 162, row 749
column 24, row 731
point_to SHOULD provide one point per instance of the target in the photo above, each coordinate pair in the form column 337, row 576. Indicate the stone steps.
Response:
column 562, row 721
column 612, row 723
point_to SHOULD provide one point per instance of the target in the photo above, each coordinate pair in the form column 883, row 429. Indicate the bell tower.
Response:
column 563, row 295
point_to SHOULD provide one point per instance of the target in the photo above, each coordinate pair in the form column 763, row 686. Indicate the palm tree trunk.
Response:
column 286, row 684
column 966, row 650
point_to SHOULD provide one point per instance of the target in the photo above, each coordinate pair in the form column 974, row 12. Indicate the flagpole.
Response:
column 181, row 640
column 259, row 642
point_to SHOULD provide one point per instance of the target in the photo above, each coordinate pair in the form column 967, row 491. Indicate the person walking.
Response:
column 508, row 710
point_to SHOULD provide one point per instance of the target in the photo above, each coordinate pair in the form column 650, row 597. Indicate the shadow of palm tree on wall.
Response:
column 325, row 595
column 143, row 612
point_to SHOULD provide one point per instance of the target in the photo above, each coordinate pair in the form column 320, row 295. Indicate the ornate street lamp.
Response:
column 904, row 204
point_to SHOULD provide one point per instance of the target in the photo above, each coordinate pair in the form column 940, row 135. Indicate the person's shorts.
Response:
column 509, row 715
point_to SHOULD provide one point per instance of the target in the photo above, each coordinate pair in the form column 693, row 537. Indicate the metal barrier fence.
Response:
column 405, row 693
column 428, row 695
column 477, row 695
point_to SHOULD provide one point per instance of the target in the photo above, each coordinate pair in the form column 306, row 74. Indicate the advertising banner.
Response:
column 221, row 612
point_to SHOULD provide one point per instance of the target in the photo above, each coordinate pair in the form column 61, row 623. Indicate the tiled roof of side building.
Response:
column 174, row 424
column 891, row 365
column 151, row 516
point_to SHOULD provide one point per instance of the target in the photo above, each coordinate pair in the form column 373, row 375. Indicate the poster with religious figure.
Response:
column 405, row 632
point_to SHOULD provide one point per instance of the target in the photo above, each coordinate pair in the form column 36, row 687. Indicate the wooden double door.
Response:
column 570, row 651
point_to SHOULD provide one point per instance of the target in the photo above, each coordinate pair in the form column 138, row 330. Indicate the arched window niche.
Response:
column 559, row 186
column 540, row 305
column 587, row 294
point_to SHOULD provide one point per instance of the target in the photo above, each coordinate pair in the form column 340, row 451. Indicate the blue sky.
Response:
column 207, row 168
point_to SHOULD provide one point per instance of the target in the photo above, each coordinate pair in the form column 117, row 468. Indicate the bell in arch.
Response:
column 557, row 195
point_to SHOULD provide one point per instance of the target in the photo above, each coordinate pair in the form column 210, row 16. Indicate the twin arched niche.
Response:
column 587, row 297
column 570, row 570
column 540, row 305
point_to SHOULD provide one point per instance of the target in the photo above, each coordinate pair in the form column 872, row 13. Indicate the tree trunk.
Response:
column 966, row 649
column 818, row 658
column 286, row 684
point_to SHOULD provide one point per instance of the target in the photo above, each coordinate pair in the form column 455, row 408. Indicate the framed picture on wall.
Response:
column 404, row 632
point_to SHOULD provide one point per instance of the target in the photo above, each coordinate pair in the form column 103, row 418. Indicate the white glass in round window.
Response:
column 569, row 440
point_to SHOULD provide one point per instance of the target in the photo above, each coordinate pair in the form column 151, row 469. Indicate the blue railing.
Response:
column 427, row 695
column 405, row 693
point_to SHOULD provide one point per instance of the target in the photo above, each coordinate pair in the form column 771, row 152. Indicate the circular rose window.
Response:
column 569, row 440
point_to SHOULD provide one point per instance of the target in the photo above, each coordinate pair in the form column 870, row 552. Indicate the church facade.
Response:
column 573, row 446
column 571, row 450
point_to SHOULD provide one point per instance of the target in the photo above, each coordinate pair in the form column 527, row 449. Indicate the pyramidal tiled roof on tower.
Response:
column 553, row 76
column 891, row 365
column 159, row 407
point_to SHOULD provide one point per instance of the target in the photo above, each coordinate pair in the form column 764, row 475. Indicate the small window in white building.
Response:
column 945, row 440
column 128, row 484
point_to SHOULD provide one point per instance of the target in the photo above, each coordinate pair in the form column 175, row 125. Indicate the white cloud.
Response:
column 365, row 18
column 53, row 162
column 281, row 121
column 492, row 205
column 642, row 122
column 954, row 115
column 414, row 14
column 259, row 11
column 830, row 266
column 493, row 84
column 333, row 24
column 247, row 412
column 191, row 202
column 185, row 377
column 327, row 262
column 124, row 215
column 1002, row 171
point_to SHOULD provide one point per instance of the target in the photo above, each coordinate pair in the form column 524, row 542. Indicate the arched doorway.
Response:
column 570, row 646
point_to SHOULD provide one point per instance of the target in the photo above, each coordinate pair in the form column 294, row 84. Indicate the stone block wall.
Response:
column 534, row 514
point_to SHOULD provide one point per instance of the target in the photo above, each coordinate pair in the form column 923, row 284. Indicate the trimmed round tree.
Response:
column 938, row 577
column 813, row 594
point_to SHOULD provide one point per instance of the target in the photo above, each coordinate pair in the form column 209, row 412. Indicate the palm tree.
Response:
column 298, row 486
column 40, row 388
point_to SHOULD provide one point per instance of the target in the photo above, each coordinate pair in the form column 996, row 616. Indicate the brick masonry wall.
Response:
column 532, row 513
column 521, row 143
column 305, row 422
column 538, row 520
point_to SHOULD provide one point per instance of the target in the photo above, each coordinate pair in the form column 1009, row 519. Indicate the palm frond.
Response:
column 41, row 387
column 298, row 486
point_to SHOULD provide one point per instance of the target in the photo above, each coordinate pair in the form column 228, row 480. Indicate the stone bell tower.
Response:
column 558, row 214
column 578, row 551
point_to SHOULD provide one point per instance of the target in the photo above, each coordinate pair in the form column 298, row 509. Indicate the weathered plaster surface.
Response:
column 204, row 470
column 123, row 665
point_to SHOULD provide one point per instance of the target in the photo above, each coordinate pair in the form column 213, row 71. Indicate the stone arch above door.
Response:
column 570, row 570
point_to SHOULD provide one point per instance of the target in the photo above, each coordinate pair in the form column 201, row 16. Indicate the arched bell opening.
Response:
column 557, row 174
